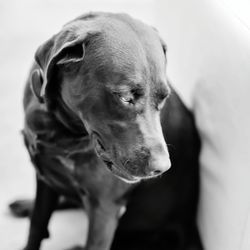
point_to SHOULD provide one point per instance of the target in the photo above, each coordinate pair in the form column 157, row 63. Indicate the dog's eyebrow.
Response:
column 128, row 87
column 163, row 91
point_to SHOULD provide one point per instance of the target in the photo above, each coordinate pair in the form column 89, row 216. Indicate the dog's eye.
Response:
column 129, row 97
column 161, row 101
column 126, row 99
column 161, row 104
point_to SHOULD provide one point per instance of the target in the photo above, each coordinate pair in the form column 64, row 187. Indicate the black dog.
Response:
column 98, row 110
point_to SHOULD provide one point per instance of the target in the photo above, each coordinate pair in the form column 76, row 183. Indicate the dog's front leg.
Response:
column 45, row 203
column 103, row 220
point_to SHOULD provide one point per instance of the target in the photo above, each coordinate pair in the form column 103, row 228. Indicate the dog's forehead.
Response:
column 127, row 50
column 135, row 38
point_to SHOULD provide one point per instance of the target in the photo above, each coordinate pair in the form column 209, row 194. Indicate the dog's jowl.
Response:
column 99, row 114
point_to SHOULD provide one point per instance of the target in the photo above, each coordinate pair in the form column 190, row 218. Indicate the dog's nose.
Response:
column 159, row 163
column 149, row 163
column 159, row 166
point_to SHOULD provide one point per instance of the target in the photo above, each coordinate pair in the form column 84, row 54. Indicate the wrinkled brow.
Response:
column 127, row 87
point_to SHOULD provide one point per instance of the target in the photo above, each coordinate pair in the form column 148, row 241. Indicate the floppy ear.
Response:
column 164, row 46
column 36, row 80
column 66, row 47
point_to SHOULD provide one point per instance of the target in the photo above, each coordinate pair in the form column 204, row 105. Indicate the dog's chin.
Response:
column 130, row 181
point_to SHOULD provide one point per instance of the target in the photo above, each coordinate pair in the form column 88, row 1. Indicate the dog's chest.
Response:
column 61, row 159
column 67, row 162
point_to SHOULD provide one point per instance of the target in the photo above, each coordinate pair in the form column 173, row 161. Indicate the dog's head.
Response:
column 109, row 70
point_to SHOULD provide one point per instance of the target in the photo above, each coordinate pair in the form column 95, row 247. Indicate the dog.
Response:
column 99, row 114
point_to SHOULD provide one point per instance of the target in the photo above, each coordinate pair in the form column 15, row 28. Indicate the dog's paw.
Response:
column 31, row 248
column 76, row 248
column 21, row 208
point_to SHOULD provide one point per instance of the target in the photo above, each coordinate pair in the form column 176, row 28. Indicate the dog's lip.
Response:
column 109, row 164
column 121, row 174
column 113, row 167
column 98, row 144
column 131, row 180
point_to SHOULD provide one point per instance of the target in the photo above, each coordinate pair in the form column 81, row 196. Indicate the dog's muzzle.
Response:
column 143, row 166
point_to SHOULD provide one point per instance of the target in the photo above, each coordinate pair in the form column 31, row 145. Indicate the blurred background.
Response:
column 24, row 25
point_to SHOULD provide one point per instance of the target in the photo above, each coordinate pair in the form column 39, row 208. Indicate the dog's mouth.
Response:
column 121, row 174
column 113, row 167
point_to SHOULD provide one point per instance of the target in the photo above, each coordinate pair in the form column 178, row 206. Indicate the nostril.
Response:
column 156, row 172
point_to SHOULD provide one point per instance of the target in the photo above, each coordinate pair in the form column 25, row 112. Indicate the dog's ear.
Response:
column 66, row 47
column 164, row 46
column 36, row 80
